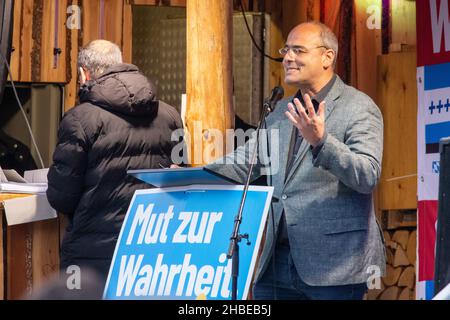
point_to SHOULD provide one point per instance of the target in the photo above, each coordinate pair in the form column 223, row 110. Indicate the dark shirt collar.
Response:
column 321, row 95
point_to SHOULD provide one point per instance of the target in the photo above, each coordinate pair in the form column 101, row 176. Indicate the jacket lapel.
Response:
column 330, row 100
column 286, row 128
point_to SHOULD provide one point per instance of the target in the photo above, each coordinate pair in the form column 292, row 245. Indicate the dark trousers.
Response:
column 287, row 284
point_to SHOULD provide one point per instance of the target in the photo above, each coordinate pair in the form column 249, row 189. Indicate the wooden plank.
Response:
column 16, row 243
column 49, row 72
column 403, row 22
column 127, row 33
column 34, row 41
column 32, row 254
column 368, row 45
column 71, row 88
column 26, row 41
column 91, row 23
column 397, row 94
column 209, row 82
column 18, row 268
column 16, row 43
column 102, row 22
column 45, row 251
column 113, row 21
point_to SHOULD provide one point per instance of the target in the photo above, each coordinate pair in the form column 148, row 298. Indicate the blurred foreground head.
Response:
column 86, row 285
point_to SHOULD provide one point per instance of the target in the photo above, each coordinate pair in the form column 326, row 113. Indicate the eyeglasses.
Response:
column 297, row 50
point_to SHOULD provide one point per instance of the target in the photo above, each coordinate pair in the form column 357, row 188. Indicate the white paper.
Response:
column 2, row 176
column 36, row 176
column 13, row 176
column 35, row 181
column 28, row 209
column 19, row 187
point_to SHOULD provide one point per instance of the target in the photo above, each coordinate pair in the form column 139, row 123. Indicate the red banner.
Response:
column 433, row 32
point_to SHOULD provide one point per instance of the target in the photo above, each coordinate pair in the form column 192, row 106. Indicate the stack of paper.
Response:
column 33, row 207
column 35, row 181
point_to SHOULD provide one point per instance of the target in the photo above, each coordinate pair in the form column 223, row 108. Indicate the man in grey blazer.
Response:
column 323, row 240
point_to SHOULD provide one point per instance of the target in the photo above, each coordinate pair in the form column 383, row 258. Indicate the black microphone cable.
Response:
column 253, row 39
column 23, row 111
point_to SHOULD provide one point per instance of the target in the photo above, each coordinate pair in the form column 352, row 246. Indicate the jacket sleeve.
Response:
column 235, row 165
column 66, row 175
column 356, row 162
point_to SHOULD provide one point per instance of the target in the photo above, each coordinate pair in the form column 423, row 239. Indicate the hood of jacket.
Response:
column 122, row 89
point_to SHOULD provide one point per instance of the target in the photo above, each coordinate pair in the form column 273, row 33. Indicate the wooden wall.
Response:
column 29, row 254
column 110, row 20
column 39, row 30
column 397, row 98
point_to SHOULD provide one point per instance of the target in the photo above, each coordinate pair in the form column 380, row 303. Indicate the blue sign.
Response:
column 173, row 243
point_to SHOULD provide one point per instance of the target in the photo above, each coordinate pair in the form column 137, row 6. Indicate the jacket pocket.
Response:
column 344, row 225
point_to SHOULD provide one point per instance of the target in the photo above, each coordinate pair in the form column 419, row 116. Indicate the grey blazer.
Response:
column 333, row 233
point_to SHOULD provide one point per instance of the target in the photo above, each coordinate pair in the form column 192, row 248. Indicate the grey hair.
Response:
column 329, row 39
column 99, row 55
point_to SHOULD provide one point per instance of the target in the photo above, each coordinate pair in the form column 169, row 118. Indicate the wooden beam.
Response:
column 397, row 93
column 16, row 40
column 127, row 33
column 209, row 79
column 71, row 88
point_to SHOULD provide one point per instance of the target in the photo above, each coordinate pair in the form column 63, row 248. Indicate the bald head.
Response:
column 320, row 33
column 99, row 55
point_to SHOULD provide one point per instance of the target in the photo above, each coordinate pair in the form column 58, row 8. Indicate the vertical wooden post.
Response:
column 209, row 82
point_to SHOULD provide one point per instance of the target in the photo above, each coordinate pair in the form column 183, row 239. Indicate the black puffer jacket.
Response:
column 117, row 127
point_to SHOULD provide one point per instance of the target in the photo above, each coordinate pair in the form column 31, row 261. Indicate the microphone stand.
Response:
column 236, row 237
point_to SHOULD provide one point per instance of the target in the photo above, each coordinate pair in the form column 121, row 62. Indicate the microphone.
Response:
column 276, row 95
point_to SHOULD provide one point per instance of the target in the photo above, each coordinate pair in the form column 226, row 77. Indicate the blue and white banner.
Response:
column 174, row 242
column 433, row 125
